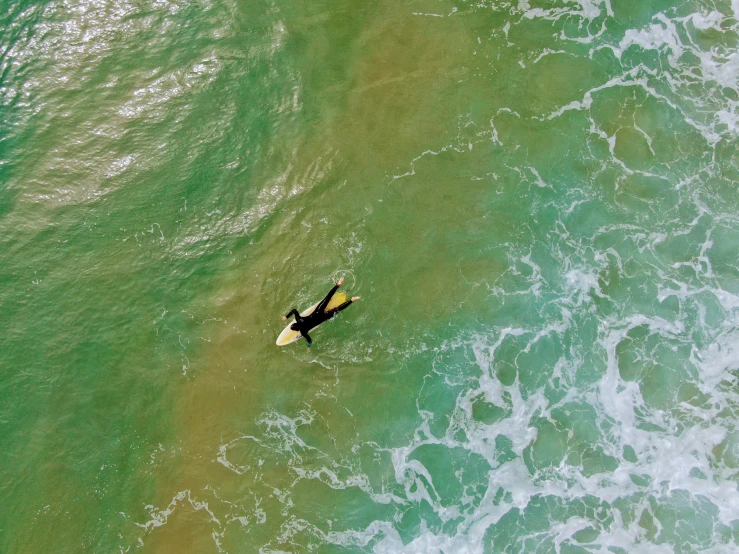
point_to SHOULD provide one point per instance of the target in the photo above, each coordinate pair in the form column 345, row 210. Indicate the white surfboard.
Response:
column 289, row 336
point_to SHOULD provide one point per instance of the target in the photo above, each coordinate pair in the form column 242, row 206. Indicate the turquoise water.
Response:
column 536, row 200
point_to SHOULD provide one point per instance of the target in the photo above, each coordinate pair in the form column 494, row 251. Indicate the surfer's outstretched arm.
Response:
column 306, row 336
column 295, row 312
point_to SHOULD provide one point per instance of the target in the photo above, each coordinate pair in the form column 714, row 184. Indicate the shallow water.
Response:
column 536, row 199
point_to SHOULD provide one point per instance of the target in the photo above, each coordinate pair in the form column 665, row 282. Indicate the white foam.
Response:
column 676, row 449
column 655, row 37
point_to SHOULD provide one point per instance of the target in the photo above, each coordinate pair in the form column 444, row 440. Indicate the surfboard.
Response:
column 289, row 336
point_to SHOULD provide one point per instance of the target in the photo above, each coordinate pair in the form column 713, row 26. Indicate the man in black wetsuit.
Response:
column 319, row 315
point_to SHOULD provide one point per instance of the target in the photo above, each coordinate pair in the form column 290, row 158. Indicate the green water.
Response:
column 537, row 201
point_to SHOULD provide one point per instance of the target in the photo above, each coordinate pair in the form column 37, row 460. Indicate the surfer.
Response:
column 319, row 315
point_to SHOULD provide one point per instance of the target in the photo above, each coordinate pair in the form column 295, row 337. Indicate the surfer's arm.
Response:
column 306, row 336
column 295, row 312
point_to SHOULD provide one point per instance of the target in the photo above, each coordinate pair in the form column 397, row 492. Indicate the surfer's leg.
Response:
column 333, row 311
column 323, row 303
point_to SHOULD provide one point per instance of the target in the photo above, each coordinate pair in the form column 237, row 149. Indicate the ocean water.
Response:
column 536, row 199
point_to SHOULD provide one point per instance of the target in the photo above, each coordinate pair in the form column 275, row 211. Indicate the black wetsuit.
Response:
column 318, row 316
